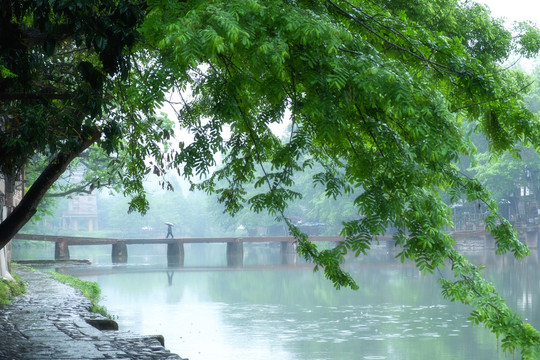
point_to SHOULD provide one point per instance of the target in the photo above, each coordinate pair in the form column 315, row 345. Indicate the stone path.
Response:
column 50, row 322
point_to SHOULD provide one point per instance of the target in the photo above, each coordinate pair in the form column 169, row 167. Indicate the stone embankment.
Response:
column 51, row 321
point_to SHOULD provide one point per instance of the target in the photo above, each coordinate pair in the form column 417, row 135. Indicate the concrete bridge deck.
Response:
column 79, row 240
column 235, row 250
column 175, row 246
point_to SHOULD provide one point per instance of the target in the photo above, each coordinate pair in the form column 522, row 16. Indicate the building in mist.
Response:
column 81, row 214
column 11, row 193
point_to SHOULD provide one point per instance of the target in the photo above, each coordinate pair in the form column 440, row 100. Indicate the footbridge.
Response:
column 235, row 245
column 175, row 246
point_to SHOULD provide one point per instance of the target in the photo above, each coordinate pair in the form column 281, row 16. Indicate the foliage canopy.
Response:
column 381, row 94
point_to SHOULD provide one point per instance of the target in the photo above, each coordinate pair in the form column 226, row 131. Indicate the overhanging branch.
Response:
column 32, row 96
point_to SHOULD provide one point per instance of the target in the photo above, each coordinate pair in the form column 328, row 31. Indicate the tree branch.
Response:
column 32, row 96
column 435, row 65
column 77, row 190
column 82, row 188
column 493, row 99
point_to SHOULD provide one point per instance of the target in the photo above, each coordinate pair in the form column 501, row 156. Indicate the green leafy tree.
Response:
column 71, row 78
column 380, row 94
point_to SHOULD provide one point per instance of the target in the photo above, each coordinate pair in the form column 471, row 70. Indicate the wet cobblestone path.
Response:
column 50, row 322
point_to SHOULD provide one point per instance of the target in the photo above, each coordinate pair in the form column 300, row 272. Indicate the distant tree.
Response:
column 188, row 212
column 317, row 206
column 314, row 207
column 379, row 93
column 512, row 178
column 533, row 96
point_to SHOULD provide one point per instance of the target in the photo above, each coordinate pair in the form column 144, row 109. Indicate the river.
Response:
column 268, row 311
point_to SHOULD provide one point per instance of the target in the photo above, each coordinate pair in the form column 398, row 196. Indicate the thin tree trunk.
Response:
column 4, row 258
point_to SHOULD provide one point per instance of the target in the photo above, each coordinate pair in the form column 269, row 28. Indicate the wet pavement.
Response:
column 51, row 320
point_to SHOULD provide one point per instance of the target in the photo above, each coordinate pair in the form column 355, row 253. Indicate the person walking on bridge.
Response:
column 169, row 230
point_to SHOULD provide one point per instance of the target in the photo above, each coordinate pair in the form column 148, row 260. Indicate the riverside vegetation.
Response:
column 89, row 289
column 10, row 289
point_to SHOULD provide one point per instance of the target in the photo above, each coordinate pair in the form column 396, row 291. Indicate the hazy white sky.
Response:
column 515, row 10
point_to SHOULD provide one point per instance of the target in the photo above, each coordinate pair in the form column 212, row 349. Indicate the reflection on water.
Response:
column 288, row 312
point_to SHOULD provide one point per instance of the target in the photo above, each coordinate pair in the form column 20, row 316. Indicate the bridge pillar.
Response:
column 288, row 252
column 61, row 250
column 119, row 252
column 235, row 254
column 175, row 254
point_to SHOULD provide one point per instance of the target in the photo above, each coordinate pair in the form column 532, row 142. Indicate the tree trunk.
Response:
column 4, row 262
column 24, row 211
column 6, row 206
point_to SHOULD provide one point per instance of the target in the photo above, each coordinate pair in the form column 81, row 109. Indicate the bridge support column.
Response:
column 288, row 252
column 235, row 254
column 61, row 250
column 119, row 253
column 175, row 254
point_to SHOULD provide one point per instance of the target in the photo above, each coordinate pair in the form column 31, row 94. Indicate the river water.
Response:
column 265, row 310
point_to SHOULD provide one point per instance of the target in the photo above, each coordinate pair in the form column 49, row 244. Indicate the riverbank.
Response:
column 52, row 321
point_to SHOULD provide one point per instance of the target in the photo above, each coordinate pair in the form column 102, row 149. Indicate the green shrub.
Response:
column 10, row 289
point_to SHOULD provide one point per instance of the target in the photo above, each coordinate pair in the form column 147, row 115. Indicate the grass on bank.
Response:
column 10, row 289
column 89, row 289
